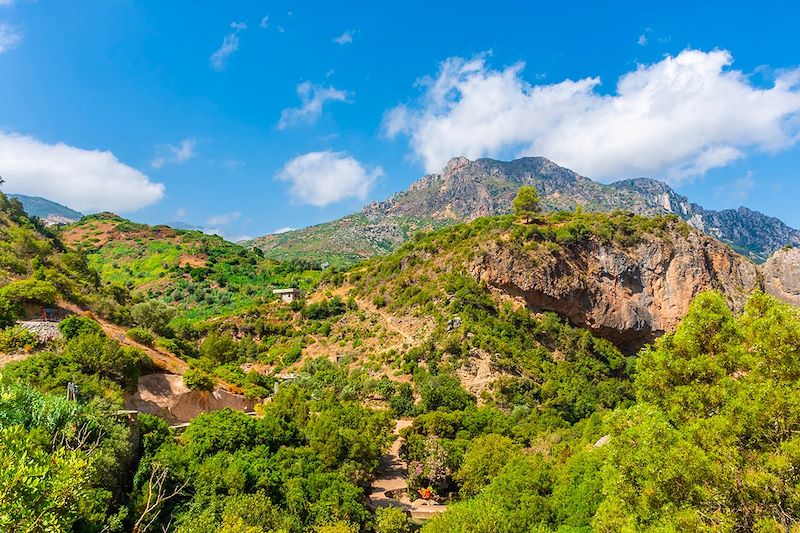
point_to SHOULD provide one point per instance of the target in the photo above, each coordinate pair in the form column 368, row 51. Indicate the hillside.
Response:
column 466, row 189
column 51, row 213
column 201, row 275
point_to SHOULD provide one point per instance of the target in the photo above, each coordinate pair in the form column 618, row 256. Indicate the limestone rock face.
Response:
column 782, row 275
column 165, row 395
column 630, row 295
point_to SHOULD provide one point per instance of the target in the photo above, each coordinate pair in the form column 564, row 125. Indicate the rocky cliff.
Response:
column 782, row 275
column 465, row 190
column 628, row 294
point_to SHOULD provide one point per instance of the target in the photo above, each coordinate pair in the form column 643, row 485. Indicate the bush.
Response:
column 391, row 520
column 219, row 347
column 75, row 326
column 17, row 339
column 141, row 335
column 196, row 379
column 30, row 290
column 153, row 315
column 444, row 392
column 104, row 356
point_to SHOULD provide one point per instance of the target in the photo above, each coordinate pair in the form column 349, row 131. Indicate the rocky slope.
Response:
column 626, row 278
column 782, row 275
column 628, row 294
column 466, row 189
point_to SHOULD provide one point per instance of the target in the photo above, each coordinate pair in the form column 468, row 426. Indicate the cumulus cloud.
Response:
column 323, row 178
column 169, row 153
column 312, row 98
column 230, row 44
column 87, row 180
column 264, row 22
column 345, row 38
column 9, row 37
column 675, row 119
column 642, row 40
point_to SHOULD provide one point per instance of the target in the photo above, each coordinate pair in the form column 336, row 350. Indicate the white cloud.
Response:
column 223, row 219
column 9, row 37
column 87, row 180
column 345, row 38
column 286, row 229
column 181, row 213
column 264, row 22
column 6, row 2
column 674, row 119
column 313, row 98
column 323, row 178
column 230, row 44
column 642, row 41
column 169, row 153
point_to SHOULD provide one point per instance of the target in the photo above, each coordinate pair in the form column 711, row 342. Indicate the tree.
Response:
column 391, row 520
column 153, row 315
column 486, row 456
column 526, row 203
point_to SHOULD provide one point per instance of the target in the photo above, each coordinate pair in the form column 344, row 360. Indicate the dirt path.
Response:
column 391, row 477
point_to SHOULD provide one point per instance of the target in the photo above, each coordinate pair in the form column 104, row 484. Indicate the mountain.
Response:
column 51, row 213
column 466, row 189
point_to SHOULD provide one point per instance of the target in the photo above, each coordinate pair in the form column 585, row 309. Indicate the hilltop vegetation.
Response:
column 522, row 421
column 202, row 275
column 465, row 190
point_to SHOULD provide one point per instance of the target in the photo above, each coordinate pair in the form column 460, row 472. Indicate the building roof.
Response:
column 285, row 291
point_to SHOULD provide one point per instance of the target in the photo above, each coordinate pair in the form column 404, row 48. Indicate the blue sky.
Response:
column 252, row 116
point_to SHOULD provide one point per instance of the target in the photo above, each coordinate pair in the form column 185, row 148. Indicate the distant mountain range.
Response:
column 50, row 212
column 466, row 189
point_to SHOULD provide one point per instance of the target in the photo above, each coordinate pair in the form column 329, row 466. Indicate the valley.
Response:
column 504, row 353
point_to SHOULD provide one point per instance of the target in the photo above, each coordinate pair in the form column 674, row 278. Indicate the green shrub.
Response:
column 141, row 335
column 75, row 326
column 391, row 520
column 106, row 357
column 196, row 379
column 153, row 315
column 219, row 347
column 17, row 339
column 30, row 290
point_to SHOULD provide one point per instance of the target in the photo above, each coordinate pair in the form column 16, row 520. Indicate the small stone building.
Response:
column 289, row 295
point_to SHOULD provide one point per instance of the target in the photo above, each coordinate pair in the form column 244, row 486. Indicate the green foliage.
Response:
column 97, row 354
column 391, row 520
column 61, row 464
column 196, row 379
column 153, row 315
column 76, row 325
column 17, row 339
column 444, row 392
column 527, row 202
column 141, row 335
column 220, row 348
column 484, row 459
column 29, row 290
column 324, row 309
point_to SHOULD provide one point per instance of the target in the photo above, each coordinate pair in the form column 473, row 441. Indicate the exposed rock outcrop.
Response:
column 165, row 395
column 782, row 275
column 466, row 189
column 630, row 294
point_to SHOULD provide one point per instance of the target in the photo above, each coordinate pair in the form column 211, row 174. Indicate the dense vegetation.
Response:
column 696, row 432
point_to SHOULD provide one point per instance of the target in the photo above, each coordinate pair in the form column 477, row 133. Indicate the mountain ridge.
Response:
column 467, row 189
column 50, row 212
